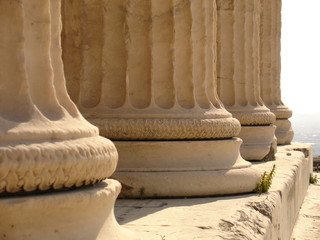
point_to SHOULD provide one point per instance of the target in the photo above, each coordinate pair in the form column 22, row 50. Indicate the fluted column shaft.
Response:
column 45, row 143
column 238, row 75
column 270, row 63
column 146, row 70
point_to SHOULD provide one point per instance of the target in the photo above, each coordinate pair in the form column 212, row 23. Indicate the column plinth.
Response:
column 270, row 63
column 45, row 143
column 86, row 214
column 238, row 76
column 65, row 215
column 182, row 168
column 144, row 73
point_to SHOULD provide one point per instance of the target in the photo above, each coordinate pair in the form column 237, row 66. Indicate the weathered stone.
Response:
column 269, row 216
column 270, row 63
column 45, row 143
column 238, row 76
column 145, row 70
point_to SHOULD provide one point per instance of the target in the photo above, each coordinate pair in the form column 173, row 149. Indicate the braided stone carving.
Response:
column 55, row 164
column 252, row 118
column 126, row 129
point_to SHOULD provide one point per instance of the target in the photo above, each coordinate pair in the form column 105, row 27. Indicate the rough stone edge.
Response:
column 275, row 215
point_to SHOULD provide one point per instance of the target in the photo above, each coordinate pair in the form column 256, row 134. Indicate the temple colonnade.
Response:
column 188, row 92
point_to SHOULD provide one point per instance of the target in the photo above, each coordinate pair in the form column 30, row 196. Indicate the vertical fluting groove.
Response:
column 13, row 76
column 56, row 60
column 139, row 53
column 211, row 76
column 256, row 53
column 241, row 48
column 225, row 64
column 250, row 52
column 278, row 4
column 162, row 53
column 183, row 54
column 91, row 78
column 273, row 67
column 215, row 97
column 218, row 50
column 265, row 52
column 36, row 58
column 72, row 43
column 209, row 64
column 114, row 53
column 198, row 33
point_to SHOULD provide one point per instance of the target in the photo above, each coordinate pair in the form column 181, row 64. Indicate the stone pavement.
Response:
column 270, row 216
column 308, row 223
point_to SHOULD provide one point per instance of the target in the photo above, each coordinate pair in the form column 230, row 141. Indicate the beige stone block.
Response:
column 84, row 214
column 182, row 168
column 262, row 148
column 284, row 131
column 269, row 216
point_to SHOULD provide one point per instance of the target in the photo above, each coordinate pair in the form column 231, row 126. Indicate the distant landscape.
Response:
column 307, row 129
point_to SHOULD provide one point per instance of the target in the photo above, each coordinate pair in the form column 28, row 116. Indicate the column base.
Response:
column 149, row 169
column 258, row 142
column 284, row 132
column 83, row 214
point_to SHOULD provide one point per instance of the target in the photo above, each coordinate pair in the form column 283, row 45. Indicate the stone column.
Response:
column 144, row 73
column 238, row 76
column 270, row 63
column 46, row 146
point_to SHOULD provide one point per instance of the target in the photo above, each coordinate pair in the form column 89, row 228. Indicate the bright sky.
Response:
column 300, row 79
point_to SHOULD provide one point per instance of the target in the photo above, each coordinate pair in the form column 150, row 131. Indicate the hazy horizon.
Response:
column 300, row 76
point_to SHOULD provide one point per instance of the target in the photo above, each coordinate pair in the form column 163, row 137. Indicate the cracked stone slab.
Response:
column 270, row 215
